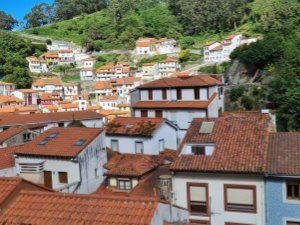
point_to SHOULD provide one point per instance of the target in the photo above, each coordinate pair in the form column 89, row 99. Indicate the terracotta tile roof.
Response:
column 284, row 154
column 180, row 74
column 47, row 81
column 10, row 99
column 113, row 112
column 174, row 104
column 41, row 118
column 126, row 69
column 18, row 108
column 42, row 208
column 209, row 43
column 49, row 96
column 51, row 107
column 69, row 105
column 109, row 98
column 6, row 156
column 65, row 51
column 26, row 90
column 145, row 43
column 108, row 66
column 169, row 59
column 240, row 142
column 133, row 126
column 149, row 64
column 217, row 48
column 231, row 36
column 63, row 145
column 127, row 80
column 50, row 55
column 11, row 132
column 131, row 165
column 94, row 107
column 101, row 85
column 32, row 59
column 189, row 81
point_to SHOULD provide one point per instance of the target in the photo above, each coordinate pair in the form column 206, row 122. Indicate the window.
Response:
column 292, row 223
column 197, row 93
column 53, row 135
column 293, row 190
column 158, row 113
column 178, row 94
column 124, row 184
column 96, row 173
column 198, row 150
column 63, row 177
column 139, row 147
column 80, row 142
column 43, row 142
column 150, row 94
column 197, row 198
column 240, row 198
column 61, row 125
column 164, row 94
column 115, row 145
column 144, row 113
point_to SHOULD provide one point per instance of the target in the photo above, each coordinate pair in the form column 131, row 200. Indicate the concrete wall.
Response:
column 151, row 145
column 279, row 208
column 216, row 196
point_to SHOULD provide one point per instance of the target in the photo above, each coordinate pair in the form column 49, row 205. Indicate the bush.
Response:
column 236, row 93
column 48, row 42
column 187, row 42
column 247, row 102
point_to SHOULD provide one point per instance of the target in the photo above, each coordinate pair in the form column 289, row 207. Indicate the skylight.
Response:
column 80, row 142
column 206, row 127
column 53, row 135
column 43, row 142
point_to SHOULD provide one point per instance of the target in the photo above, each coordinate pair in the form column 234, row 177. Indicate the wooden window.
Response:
column 198, row 150
column 231, row 223
column 114, row 144
column 293, row 190
column 63, row 177
column 144, row 113
column 48, row 179
column 150, row 94
column 197, row 93
column 197, row 194
column 164, row 94
column 139, row 147
column 240, row 198
column 124, row 184
column 158, row 113
column 178, row 94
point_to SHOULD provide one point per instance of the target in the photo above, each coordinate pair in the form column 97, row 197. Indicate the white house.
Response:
column 70, row 90
column 112, row 71
column 167, row 67
column 58, row 47
column 152, row 46
column 65, row 159
column 166, row 46
column 145, row 46
column 87, row 72
column 29, row 96
column 37, row 65
column 179, row 99
column 48, row 85
column 103, row 88
column 220, row 51
column 125, row 85
column 10, row 100
column 66, row 56
column 149, row 136
column 6, row 88
column 219, row 175
column 149, row 70
column 50, row 120
column 109, row 102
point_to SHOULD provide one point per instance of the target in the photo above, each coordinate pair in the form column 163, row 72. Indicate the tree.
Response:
column 40, row 15
column 7, row 22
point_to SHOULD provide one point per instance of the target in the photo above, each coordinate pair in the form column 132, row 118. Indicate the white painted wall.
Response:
column 216, row 195
column 151, row 145
column 8, row 172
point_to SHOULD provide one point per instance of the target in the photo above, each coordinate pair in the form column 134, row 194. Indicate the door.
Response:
column 48, row 179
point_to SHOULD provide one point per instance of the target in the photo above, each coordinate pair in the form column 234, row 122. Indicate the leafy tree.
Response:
column 236, row 93
column 247, row 102
column 7, row 22
column 40, row 15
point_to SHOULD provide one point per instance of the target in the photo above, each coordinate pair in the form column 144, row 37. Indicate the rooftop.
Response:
column 60, row 142
column 284, row 154
column 10, row 99
column 240, row 145
column 47, row 81
column 186, row 81
column 13, row 131
column 7, row 159
column 41, row 208
column 133, row 126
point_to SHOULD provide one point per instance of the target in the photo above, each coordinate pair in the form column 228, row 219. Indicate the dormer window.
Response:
column 202, row 149
column 198, row 150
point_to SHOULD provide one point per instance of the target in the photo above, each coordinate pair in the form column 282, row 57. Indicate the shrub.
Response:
column 236, row 93
column 247, row 102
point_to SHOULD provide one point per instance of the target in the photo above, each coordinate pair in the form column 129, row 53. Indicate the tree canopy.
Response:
column 7, row 22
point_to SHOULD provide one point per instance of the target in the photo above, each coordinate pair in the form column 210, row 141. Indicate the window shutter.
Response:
column 197, row 193
column 240, row 196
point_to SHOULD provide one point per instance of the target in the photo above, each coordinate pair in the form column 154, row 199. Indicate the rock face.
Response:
column 237, row 73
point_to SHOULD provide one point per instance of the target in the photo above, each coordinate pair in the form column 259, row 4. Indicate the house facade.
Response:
column 219, row 175
column 179, row 99
column 48, row 85
column 29, row 96
column 70, row 90
column 37, row 65
column 65, row 159
column 283, row 179
column 6, row 88
column 149, row 136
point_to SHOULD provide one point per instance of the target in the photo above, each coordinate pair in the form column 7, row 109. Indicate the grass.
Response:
column 71, row 78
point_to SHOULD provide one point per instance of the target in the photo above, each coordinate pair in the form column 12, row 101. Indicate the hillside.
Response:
column 113, row 28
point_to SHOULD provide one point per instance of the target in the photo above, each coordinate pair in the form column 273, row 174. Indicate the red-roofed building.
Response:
column 65, row 159
column 48, row 85
column 179, row 99
column 134, row 135
column 29, row 96
column 112, row 71
column 6, row 88
column 219, row 174
column 37, row 65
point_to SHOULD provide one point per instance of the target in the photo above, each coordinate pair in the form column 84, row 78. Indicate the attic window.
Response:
column 53, row 135
column 128, row 126
column 43, row 142
column 80, row 142
column 206, row 127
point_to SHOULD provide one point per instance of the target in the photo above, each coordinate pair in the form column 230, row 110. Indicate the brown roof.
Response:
column 217, row 48
column 11, row 186
column 26, row 90
column 49, row 96
column 109, row 98
column 50, row 55
column 189, row 81
column 209, row 43
column 100, row 85
column 6, row 83
column 63, row 145
column 126, row 80
column 240, row 142
column 10, row 99
column 47, row 81
column 69, row 105
column 149, row 64
column 169, row 59
column 174, row 104
column 18, row 108
column 18, row 119
column 145, row 43
column 284, row 154
column 13, row 131
column 133, row 126
column 6, row 156
column 42, row 208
